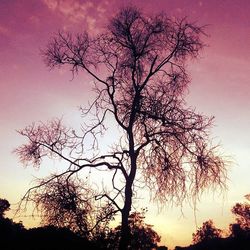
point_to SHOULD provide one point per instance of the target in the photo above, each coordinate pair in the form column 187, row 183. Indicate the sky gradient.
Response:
column 220, row 87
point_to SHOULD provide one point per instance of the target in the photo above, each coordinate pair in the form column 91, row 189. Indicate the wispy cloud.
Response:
column 74, row 10
column 78, row 11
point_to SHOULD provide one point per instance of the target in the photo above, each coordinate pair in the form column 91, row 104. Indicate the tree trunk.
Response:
column 125, row 230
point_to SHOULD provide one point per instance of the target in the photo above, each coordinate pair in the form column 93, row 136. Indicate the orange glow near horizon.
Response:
column 220, row 87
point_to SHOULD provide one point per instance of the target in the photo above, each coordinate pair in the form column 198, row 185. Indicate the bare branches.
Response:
column 63, row 49
column 64, row 202
column 45, row 140
column 140, row 81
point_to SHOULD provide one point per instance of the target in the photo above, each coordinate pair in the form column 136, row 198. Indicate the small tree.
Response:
column 242, row 213
column 138, row 67
column 63, row 204
column 207, row 232
column 67, row 202
column 4, row 206
column 142, row 235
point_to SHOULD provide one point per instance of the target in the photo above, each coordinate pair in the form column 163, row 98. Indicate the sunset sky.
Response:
column 220, row 87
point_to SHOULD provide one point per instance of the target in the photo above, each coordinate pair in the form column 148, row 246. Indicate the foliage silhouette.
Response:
column 142, row 235
column 63, row 204
column 4, row 206
column 68, row 203
column 208, row 237
column 11, row 233
column 206, row 232
column 51, row 237
column 242, row 213
column 14, row 236
column 138, row 68
column 228, row 243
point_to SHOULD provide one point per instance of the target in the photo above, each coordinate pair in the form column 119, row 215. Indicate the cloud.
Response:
column 51, row 4
column 80, row 12
column 73, row 10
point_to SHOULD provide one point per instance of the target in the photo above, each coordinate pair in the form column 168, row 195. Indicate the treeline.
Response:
column 15, row 236
column 208, row 237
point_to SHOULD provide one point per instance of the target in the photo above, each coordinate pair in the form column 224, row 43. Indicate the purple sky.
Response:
column 220, row 86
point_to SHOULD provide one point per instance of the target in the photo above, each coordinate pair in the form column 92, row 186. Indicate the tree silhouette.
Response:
column 138, row 68
column 4, row 206
column 242, row 213
column 51, row 237
column 142, row 235
column 67, row 202
column 207, row 232
column 63, row 204
column 11, row 233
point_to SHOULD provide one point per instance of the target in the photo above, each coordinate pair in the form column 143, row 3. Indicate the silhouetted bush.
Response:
column 4, row 206
column 207, row 232
column 10, row 233
column 51, row 237
column 143, row 237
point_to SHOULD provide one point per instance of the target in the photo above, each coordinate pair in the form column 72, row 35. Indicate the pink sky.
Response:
column 220, row 86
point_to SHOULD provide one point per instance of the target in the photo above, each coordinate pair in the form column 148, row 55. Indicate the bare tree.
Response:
column 138, row 68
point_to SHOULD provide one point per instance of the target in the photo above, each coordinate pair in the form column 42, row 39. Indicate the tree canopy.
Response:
column 140, row 81
column 242, row 213
column 4, row 206
column 207, row 232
